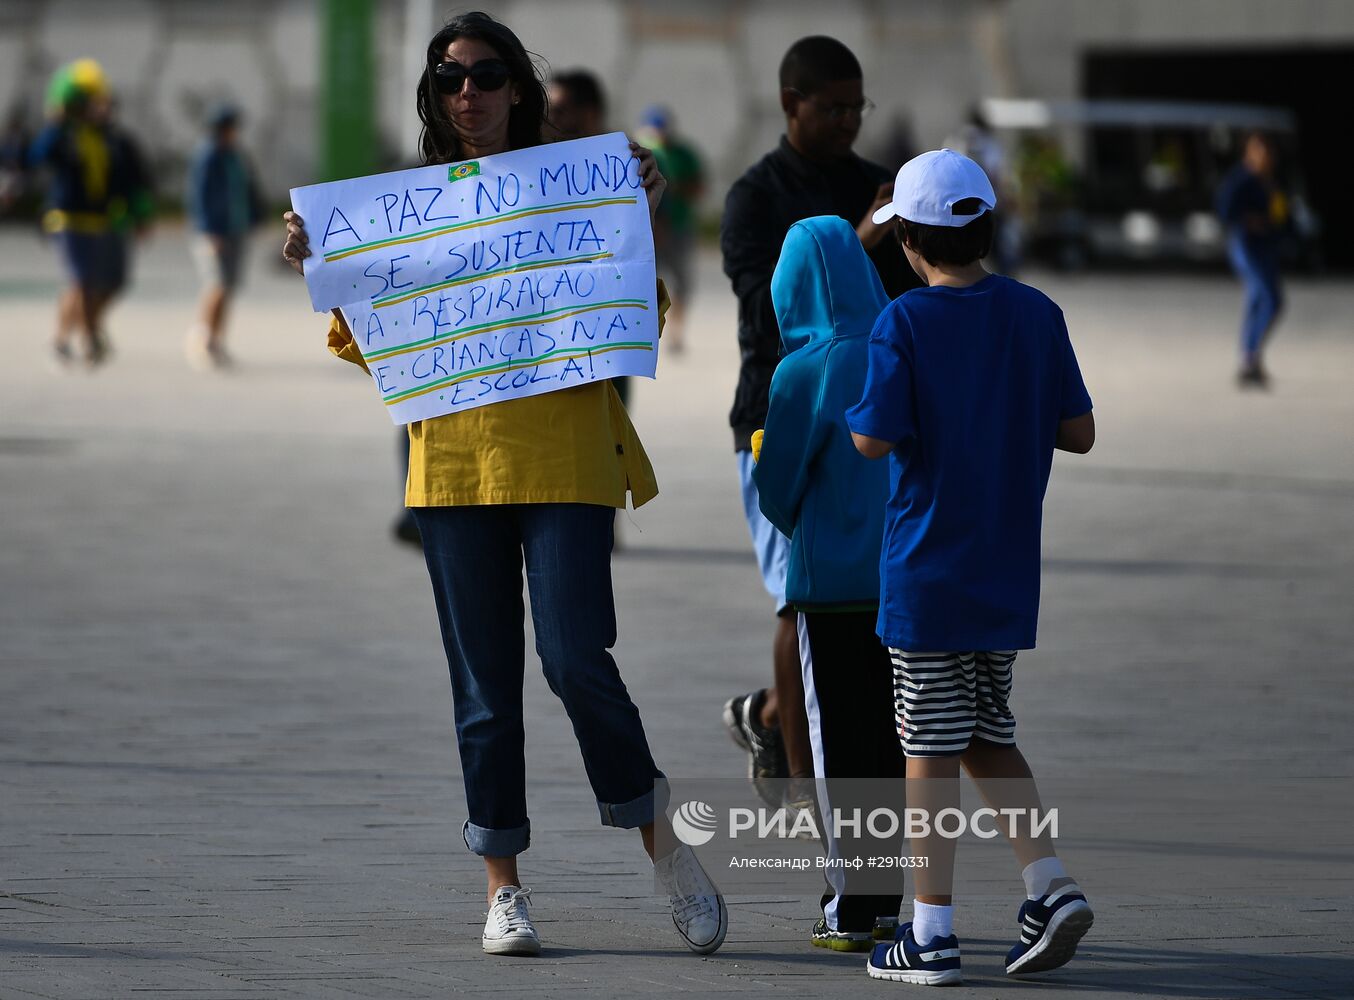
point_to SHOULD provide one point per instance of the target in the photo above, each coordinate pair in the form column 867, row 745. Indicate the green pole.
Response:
column 347, row 74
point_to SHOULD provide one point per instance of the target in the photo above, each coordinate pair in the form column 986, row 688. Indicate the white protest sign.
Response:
column 510, row 276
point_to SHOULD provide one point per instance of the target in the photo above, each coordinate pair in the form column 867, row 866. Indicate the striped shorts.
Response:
column 941, row 701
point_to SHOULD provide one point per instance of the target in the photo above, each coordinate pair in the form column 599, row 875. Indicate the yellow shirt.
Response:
column 569, row 446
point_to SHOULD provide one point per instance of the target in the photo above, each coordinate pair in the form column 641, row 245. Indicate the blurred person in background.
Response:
column 578, row 111
column 405, row 528
column 978, row 142
column 899, row 143
column 1255, row 214
column 99, row 190
column 813, row 171
column 14, row 143
column 223, row 205
column 577, row 106
column 675, row 227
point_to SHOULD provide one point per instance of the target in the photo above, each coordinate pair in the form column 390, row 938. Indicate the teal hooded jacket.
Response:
column 812, row 483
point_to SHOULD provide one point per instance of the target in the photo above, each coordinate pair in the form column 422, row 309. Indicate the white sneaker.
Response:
column 197, row 352
column 698, row 909
column 509, row 930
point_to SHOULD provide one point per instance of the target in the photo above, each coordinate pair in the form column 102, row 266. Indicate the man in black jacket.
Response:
column 812, row 172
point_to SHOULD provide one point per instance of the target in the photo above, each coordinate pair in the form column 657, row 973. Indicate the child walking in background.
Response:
column 223, row 204
column 972, row 385
column 817, row 490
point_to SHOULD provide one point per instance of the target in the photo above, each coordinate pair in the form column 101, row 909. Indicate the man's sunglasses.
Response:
column 487, row 74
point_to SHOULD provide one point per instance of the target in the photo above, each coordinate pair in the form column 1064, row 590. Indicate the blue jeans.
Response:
column 475, row 556
column 1258, row 269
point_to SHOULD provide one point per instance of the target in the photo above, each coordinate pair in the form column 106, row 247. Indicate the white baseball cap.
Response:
column 929, row 185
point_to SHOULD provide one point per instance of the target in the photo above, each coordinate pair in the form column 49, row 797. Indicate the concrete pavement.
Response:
column 226, row 760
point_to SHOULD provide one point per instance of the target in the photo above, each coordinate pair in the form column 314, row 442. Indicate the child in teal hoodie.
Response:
column 817, row 489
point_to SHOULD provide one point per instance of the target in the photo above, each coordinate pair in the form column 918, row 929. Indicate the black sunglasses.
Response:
column 487, row 74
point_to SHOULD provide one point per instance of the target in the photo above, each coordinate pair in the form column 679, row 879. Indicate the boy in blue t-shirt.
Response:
column 972, row 384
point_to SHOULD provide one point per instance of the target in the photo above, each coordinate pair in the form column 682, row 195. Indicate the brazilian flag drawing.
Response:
column 463, row 170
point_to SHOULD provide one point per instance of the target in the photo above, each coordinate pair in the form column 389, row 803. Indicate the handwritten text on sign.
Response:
column 510, row 276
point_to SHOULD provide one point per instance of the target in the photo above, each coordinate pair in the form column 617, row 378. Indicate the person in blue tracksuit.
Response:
column 1255, row 215
column 817, row 489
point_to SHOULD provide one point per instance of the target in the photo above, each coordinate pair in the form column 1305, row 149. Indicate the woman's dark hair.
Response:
column 439, row 142
column 952, row 245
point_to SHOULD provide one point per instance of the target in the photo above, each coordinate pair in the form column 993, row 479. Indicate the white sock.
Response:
column 1040, row 875
column 930, row 921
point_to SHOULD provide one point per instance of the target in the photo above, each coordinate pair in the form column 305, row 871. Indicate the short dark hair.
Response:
column 1257, row 135
column 439, row 141
column 583, row 88
column 952, row 245
column 812, row 63
column 222, row 116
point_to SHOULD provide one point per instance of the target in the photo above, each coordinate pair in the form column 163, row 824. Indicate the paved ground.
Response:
column 226, row 760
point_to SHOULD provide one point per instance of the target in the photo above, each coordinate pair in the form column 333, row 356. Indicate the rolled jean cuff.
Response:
column 637, row 812
column 491, row 843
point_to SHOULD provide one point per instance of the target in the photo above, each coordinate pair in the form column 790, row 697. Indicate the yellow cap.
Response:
column 79, row 80
column 88, row 75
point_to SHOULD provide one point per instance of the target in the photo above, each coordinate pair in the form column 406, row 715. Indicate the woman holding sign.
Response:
column 532, row 481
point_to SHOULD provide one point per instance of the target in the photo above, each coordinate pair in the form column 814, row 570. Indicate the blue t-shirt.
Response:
column 971, row 384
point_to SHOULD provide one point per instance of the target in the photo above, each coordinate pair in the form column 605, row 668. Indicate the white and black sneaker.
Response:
column 905, row 961
column 824, row 936
column 1050, row 929
column 698, row 910
column 509, row 930
column 767, row 769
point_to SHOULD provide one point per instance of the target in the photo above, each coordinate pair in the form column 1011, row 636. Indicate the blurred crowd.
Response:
column 1153, row 186
column 100, row 201
column 87, row 179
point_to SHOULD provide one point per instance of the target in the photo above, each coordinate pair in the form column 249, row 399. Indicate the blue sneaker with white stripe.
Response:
column 905, row 961
column 1050, row 928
